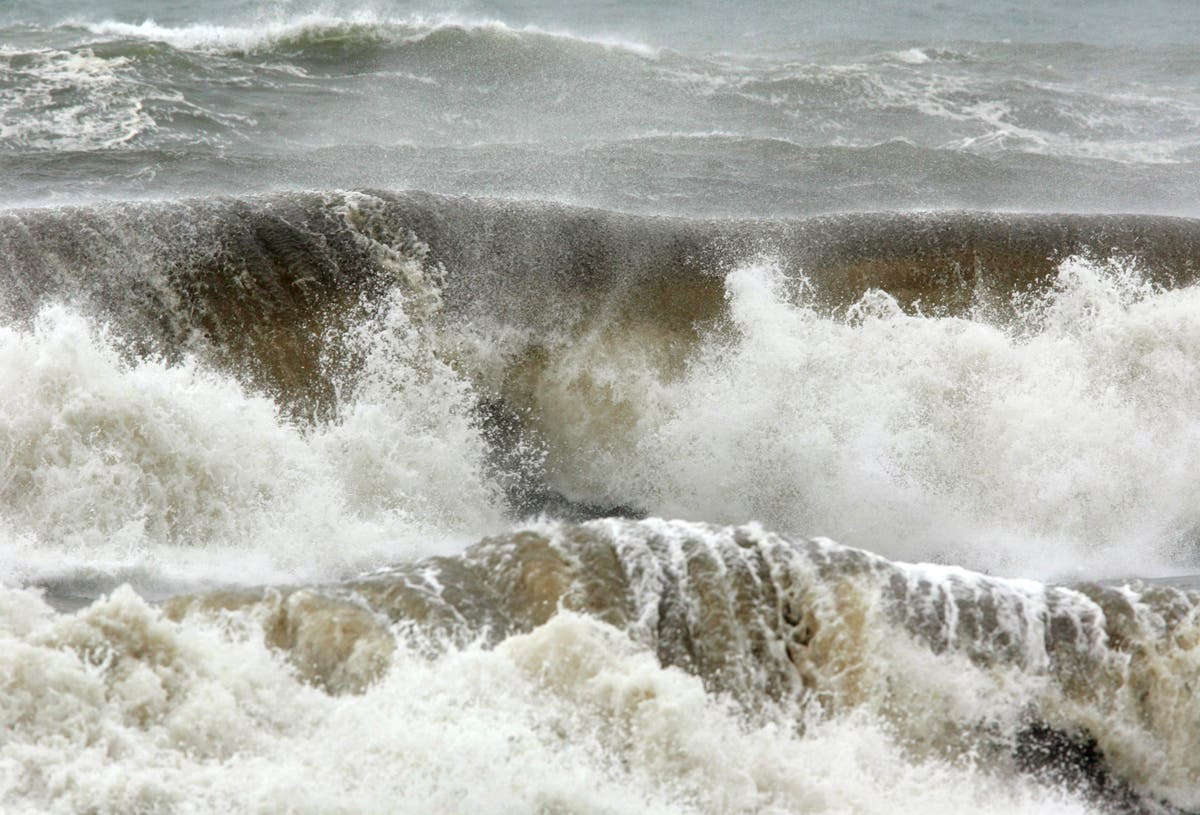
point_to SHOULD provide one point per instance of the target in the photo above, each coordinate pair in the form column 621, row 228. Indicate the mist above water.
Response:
column 1041, row 446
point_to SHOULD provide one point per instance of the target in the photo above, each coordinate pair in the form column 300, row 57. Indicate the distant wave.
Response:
column 923, row 56
column 111, row 85
column 321, row 29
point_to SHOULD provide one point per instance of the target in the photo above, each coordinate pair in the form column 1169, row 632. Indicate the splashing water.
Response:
column 161, row 472
column 1058, row 443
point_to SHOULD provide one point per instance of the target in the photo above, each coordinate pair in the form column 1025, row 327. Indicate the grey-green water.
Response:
column 762, row 109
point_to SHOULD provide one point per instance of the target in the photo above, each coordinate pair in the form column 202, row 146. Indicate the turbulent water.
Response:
column 766, row 108
column 407, row 408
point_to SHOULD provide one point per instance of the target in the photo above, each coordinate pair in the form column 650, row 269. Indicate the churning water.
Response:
column 520, row 493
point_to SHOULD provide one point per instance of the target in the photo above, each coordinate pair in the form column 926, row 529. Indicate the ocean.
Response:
column 528, row 407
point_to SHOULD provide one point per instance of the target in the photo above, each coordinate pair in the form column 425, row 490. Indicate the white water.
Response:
column 105, row 110
column 1059, row 446
column 159, row 472
column 1063, row 445
column 915, row 436
column 116, row 710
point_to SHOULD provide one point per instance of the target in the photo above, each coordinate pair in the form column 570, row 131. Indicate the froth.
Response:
column 173, row 470
column 69, row 100
column 1055, row 444
column 140, row 712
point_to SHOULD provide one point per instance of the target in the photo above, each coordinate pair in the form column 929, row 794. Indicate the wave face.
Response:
column 930, row 386
column 97, row 104
column 141, row 437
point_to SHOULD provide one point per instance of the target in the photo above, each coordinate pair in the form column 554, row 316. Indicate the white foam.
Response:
column 175, row 472
column 70, row 100
column 75, row 100
column 139, row 713
column 973, row 111
column 1062, row 446
column 912, row 56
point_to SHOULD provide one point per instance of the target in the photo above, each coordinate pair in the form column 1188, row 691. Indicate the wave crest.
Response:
column 316, row 30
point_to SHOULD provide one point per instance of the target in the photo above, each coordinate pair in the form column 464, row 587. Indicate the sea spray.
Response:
column 164, row 472
column 1030, row 445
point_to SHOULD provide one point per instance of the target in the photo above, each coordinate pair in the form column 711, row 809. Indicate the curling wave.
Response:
column 930, row 386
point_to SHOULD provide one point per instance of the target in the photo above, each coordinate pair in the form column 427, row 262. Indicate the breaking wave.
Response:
column 670, row 666
column 939, row 387
column 334, row 395
column 323, row 30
